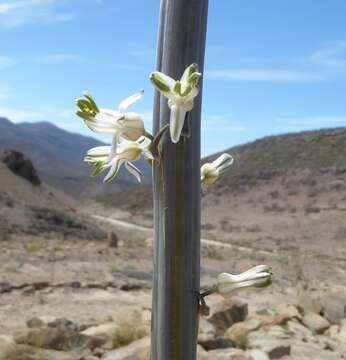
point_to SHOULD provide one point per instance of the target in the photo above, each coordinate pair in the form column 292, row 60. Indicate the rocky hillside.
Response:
column 58, row 156
column 263, row 161
column 29, row 207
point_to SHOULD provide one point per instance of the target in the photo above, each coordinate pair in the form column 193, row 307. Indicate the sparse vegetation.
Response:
column 131, row 328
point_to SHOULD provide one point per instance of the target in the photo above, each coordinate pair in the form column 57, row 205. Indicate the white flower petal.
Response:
column 176, row 122
column 133, row 170
column 116, row 163
column 114, row 147
column 223, row 162
column 99, row 151
column 129, row 101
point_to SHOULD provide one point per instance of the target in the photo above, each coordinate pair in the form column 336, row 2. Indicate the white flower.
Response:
column 126, row 153
column 120, row 123
column 211, row 171
column 258, row 276
column 180, row 94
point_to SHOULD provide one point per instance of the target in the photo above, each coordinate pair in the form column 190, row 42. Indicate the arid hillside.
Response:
column 31, row 208
column 58, row 157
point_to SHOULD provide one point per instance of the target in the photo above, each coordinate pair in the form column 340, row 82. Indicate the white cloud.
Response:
column 313, row 121
column 53, row 59
column 264, row 75
column 45, row 114
column 6, row 61
column 332, row 56
column 20, row 12
column 221, row 123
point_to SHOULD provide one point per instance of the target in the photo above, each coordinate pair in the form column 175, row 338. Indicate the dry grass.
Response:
column 131, row 328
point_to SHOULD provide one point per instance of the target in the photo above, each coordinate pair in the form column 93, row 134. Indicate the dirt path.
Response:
column 149, row 231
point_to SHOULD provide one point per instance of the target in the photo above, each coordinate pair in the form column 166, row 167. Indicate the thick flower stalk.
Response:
column 119, row 123
column 259, row 276
column 211, row 171
column 180, row 94
column 127, row 152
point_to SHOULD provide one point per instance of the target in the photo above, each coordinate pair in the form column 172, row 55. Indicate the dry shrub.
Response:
column 131, row 328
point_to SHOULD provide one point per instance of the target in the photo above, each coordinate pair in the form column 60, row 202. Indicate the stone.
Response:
column 240, row 329
column 219, row 342
column 201, row 353
column 275, row 341
column 268, row 320
column 63, row 323
column 316, row 323
column 137, row 350
column 227, row 312
column 256, row 354
column 25, row 352
column 5, row 287
column 299, row 331
column 103, row 330
column 228, row 354
column 334, row 307
column 308, row 351
column 308, row 303
column 289, row 311
column 58, row 339
column 113, row 240
column 206, row 330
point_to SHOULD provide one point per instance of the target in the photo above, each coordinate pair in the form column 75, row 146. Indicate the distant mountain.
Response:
column 320, row 155
column 58, row 157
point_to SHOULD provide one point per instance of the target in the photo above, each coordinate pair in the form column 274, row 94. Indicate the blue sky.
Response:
column 271, row 66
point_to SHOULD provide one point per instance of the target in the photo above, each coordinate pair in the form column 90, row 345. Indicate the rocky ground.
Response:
column 84, row 299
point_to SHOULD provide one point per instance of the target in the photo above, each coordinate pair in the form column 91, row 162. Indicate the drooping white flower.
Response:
column 258, row 277
column 211, row 171
column 180, row 93
column 126, row 153
column 119, row 123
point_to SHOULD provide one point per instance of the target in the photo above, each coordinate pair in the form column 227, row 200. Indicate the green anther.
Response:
column 159, row 83
column 91, row 101
column 194, row 79
column 177, row 88
column 98, row 168
column 187, row 90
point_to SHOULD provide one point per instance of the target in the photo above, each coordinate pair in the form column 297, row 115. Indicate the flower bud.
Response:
column 258, row 277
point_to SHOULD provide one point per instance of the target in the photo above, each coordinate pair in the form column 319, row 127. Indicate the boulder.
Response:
column 275, row 341
column 228, row 354
column 104, row 330
column 308, row 351
column 227, row 312
column 20, row 165
column 206, row 330
column 308, row 303
column 219, row 342
column 334, row 307
column 137, row 350
column 299, row 331
column 289, row 311
column 256, row 354
column 201, row 353
column 316, row 323
column 58, row 339
column 25, row 352
column 240, row 329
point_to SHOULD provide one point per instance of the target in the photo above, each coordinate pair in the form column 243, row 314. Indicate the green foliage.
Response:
column 33, row 248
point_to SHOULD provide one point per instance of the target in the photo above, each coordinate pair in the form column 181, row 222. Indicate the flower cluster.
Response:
column 128, row 133
column 180, row 94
